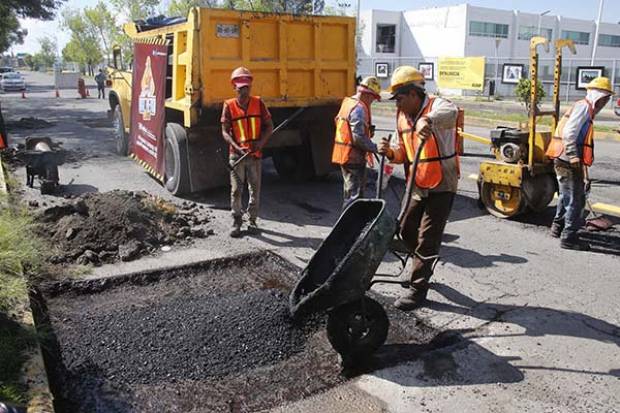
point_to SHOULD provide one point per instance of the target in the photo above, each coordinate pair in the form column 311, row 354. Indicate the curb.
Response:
column 34, row 376
column 3, row 188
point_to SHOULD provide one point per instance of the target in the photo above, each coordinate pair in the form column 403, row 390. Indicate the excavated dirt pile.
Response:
column 104, row 227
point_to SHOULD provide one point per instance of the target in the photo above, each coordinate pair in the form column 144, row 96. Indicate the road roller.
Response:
column 522, row 178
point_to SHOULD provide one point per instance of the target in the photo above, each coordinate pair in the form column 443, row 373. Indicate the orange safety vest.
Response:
column 343, row 142
column 585, row 139
column 428, row 174
column 246, row 124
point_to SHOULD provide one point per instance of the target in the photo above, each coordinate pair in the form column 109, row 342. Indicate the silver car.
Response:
column 12, row 81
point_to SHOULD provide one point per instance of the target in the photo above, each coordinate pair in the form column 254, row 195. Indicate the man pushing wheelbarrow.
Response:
column 421, row 117
column 342, row 269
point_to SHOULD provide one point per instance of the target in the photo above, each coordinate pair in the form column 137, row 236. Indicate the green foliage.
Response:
column 10, row 10
column 46, row 56
column 136, row 9
column 522, row 91
column 19, row 249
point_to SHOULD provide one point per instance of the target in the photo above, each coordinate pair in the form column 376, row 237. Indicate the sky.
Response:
column 580, row 9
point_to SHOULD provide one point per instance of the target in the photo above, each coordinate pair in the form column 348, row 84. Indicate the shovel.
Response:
column 596, row 222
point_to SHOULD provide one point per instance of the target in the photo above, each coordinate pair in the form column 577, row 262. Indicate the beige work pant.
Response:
column 247, row 172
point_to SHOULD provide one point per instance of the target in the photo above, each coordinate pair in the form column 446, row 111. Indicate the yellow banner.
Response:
column 461, row 73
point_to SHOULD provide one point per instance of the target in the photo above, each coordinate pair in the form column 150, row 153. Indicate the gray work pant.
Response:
column 247, row 172
column 354, row 181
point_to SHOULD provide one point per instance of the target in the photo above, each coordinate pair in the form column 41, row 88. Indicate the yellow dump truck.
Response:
column 302, row 66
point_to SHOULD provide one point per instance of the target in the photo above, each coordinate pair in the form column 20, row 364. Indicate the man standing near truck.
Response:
column 246, row 127
column 100, row 79
column 352, row 144
column 431, row 119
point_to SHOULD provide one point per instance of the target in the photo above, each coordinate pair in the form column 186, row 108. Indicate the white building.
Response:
column 502, row 36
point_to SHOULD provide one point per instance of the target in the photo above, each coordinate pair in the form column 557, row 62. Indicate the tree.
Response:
column 136, row 9
column 46, row 56
column 84, row 46
column 522, row 91
column 101, row 25
column 10, row 10
column 182, row 7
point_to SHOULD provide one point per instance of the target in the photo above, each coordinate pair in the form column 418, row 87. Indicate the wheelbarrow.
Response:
column 342, row 269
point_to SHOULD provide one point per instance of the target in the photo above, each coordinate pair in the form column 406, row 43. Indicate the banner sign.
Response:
column 461, row 73
column 146, row 141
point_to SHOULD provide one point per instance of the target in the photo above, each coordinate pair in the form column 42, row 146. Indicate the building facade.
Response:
column 501, row 36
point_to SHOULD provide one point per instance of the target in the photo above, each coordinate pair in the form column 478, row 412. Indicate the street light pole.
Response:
column 598, row 25
column 540, row 20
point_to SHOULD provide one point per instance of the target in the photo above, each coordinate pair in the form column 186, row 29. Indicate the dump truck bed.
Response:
column 296, row 60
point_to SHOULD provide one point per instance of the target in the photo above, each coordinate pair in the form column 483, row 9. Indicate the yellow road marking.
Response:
column 475, row 138
column 473, row 176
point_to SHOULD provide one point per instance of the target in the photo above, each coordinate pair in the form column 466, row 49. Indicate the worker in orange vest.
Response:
column 246, row 127
column 352, row 144
column 572, row 151
column 432, row 119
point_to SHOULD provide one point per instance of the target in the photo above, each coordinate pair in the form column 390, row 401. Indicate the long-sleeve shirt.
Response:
column 443, row 115
column 573, row 128
column 359, row 135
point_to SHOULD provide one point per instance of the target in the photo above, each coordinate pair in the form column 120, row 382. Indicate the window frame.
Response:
column 381, row 26
column 576, row 41
column 486, row 33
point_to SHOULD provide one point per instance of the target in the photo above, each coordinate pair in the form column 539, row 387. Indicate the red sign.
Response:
column 147, row 105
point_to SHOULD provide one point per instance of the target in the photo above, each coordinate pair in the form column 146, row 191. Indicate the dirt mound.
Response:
column 105, row 227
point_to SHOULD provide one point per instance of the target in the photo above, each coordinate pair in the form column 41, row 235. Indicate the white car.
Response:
column 12, row 81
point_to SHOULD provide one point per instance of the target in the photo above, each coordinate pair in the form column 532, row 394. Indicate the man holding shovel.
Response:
column 572, row 151
column 246, row 126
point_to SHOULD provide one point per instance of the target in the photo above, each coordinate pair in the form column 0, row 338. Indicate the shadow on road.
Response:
column 537, row 321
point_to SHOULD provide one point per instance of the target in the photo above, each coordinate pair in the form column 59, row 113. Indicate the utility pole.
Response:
column 598, row 25
column 540, row 20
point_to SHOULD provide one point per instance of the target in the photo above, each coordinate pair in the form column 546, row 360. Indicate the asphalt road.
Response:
column 534, row 328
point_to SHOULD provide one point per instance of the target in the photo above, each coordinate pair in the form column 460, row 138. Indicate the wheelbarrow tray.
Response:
column 341, row 270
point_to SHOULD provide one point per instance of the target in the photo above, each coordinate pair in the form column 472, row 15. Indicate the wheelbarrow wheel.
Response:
column 357, row 329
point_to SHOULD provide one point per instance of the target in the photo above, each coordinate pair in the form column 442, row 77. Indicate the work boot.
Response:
column 412, row 299
column 556, row 230
column 253, row 227
column 236, row 230
column 574, row 243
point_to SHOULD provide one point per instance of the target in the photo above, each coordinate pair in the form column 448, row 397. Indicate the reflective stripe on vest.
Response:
column 343, row 141
column 585, row 139
column 246, row 124
column 429, row 174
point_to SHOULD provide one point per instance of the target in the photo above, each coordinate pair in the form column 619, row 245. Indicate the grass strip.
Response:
column 20, row 253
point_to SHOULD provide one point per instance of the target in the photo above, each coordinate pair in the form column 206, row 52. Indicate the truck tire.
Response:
column 120, row 137
column 294, row 163
column 176, row 164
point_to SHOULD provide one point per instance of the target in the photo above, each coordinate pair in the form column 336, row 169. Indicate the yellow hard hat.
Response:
column 601, row 83
column 371, row 85
column 405, row 76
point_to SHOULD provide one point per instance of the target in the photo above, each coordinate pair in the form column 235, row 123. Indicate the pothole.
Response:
column 209, row 337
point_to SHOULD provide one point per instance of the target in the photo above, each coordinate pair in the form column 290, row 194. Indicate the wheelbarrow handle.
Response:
column 411, row 181
column 379, row 192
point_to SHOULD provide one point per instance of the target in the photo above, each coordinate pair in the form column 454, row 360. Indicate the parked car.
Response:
column 12, row 81
column 617, row 107
column 5, row 69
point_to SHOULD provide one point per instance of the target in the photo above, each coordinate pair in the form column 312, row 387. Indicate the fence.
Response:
column 493, row 71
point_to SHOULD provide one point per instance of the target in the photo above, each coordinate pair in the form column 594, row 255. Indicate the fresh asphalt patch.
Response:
column 214, row 336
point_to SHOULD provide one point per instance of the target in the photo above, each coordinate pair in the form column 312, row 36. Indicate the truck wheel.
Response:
column 122, row 143
column 176, row 164
column 357, row 329
column 294, row 163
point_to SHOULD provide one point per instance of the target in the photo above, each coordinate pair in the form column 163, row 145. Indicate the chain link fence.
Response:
column 493, row 72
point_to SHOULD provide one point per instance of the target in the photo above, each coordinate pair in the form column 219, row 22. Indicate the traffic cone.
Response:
column 57, row 93
column 23, row 94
